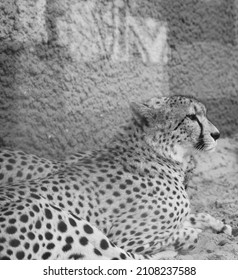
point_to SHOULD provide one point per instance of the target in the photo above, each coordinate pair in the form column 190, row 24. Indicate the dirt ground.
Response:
column 214, row 189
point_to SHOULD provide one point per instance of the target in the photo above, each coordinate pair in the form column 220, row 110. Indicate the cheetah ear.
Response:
column 143, row 114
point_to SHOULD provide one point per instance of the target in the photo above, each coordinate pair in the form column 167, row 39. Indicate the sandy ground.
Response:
column 214, row 189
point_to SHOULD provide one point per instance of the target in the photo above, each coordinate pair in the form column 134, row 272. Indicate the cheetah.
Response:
column 126, row 200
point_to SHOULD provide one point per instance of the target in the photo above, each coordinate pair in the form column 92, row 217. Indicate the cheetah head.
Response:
column 175, row 126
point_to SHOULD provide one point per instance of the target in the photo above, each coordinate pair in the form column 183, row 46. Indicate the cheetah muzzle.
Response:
column 124, row 201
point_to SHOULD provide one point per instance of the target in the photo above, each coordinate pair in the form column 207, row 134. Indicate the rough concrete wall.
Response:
column 204, row 56
column 68, row 68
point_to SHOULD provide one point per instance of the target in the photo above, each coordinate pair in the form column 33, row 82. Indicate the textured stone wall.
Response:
column 204, row 61
column 69, row 68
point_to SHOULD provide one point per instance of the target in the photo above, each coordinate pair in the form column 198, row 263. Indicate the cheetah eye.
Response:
column 192, row 117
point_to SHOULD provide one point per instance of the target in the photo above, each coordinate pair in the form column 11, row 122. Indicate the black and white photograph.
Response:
column 119, row 136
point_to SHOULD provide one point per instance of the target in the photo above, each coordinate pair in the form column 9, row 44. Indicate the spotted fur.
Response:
column 124, row 201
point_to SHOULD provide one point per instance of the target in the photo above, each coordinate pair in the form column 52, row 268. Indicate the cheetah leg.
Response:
column 205, row 221
column 183, row 240
column 66, row 235
column 100, row 247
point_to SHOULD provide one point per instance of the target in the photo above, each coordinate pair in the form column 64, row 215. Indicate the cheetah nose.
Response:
column 215, row 135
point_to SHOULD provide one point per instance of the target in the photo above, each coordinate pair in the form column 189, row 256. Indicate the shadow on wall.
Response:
column 223, row 113
column 191, row 21
column 31, row 66
column 203, row 47
column 203, row 63
column 40, row 75
column 203, row 53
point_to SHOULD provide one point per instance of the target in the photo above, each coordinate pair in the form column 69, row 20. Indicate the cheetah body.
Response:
column 124, row 201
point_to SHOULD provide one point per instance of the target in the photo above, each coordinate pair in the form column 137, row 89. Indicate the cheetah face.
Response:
column 176, row 125
column 197, row 132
